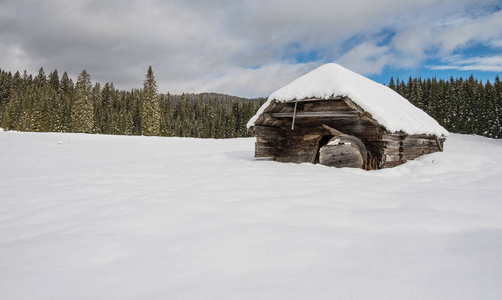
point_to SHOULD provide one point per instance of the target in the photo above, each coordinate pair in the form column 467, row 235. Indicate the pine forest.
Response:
column 466, row 106
column 55, row 104
column 52, row 104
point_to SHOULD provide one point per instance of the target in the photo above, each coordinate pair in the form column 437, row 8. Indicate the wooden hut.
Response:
column 344, row 117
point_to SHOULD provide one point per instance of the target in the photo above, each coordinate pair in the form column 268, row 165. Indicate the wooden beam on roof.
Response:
column 313, row 114
column 317, row 99
column 332, row 130
column 363, row 113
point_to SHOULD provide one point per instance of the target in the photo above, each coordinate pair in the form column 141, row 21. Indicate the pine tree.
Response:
column 54, row 80
column 497, row 86
column 97, row 101
column 434, row 105
column 402, row 88
column 392, row 85
column 150, row 116
column 467, row 106
column 5, row 88
column 65, row 97
column 41, row 79
column 491, row 112
column 83, row 109
column 5, row 120
column 40, row 118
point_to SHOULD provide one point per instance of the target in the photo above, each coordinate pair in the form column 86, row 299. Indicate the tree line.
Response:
column 460, row 105
column 55, row 104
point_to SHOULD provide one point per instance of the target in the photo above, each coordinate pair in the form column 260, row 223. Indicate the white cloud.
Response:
column 481, row 30
column 490, row 64
column 413, row 42
column 246, row 81
column 16, row 55
column 366, row 58
column 194, row 44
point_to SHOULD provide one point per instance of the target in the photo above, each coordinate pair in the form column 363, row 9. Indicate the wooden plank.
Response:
column 309, row 137
column 316, row 150
column 338, row 105
column 317, row 99
column 392, row 138
column 268, row 138
column 440, row 145
column 421, row 151
column 391, row 152
column 262, row 146
column 314, row 114
column 392, row 157
column 391, row 164
column 266, row 144
column 265, row 130
column 393, row 146
column 265, row 151
column 294, row 117
column 420, row 145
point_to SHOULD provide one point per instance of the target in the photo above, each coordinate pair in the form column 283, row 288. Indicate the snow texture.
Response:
column 115, row 217
column 386, row 106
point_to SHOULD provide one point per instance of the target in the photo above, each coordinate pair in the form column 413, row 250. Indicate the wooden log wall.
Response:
column 276, row 139
column 400, row 147
column 268, row 140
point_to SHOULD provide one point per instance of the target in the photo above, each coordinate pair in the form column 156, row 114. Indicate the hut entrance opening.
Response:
column 321, row 143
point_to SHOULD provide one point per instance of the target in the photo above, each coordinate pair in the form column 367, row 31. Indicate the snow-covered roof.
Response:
column 387, row 107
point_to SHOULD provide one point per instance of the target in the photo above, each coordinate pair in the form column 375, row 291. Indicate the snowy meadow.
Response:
column 122, row 217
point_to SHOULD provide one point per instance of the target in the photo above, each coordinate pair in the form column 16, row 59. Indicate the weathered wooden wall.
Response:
column 276, row 139
column 400, row 147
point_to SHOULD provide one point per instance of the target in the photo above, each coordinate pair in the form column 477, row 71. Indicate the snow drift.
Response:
column 115, row 217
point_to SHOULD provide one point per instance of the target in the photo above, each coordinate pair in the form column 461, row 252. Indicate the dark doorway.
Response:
column 321, row 143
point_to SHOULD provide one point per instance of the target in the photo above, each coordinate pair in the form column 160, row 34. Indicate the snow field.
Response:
column 115, row 217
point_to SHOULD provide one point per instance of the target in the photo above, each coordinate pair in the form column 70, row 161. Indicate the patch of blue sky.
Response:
column 461, row 64
column 477, row 49
column 308, row 56
column 476, row 10
column 384, row 37
column 351, row 42
column 431, row 50
column 254, row 67
column 295, row 52
column 381, row 38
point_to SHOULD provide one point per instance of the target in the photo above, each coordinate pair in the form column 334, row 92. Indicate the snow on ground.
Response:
column 115, row 217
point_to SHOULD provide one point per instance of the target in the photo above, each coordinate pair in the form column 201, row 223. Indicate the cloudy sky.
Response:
column 249, row 47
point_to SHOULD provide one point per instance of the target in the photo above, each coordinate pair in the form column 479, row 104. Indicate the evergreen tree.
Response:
column 434, row 105
column 98, row 107
column 5, row 120
column 491, row 113
column 41, row 79
column 83, row 108
column 54, row 80
column 150, row 116
column 392, row 85
column 65, row 97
